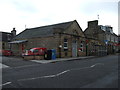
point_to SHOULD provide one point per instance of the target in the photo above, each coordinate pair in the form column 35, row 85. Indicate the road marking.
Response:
column 97, row 64
column 6, row 83
column 63, row 72
column 3, row 66
column 24, row 66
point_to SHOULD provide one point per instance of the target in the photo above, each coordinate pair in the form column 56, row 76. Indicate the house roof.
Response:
column 17, row 42
column 4, row 36
column 115, row 34
column 43, row 31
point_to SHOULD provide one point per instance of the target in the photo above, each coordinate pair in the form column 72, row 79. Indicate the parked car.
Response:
column 6, row 52
column 34, row 51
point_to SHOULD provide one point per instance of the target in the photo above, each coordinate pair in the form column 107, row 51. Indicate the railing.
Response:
column 102, row 52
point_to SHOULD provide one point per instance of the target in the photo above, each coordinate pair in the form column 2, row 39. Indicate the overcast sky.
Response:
column 35, row 13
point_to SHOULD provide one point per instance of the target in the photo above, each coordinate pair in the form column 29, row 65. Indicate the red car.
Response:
column 34, row 51
column 6, row 52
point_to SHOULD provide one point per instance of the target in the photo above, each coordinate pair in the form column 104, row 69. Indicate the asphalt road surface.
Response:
column 89, row 73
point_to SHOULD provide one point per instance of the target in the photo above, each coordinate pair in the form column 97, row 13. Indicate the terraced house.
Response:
column 5, row 38
column 102, row 39
column 67, row 38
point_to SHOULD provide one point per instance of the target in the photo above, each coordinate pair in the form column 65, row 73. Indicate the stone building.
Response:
column 92, row 34
column 102, row 37
column 5, row 38
column 67, row 38
column 111, row 39
column 119, row 43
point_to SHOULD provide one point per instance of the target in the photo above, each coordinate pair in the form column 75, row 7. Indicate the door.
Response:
column 74, row 49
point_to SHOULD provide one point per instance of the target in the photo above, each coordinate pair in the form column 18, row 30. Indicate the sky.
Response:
column 23, row 14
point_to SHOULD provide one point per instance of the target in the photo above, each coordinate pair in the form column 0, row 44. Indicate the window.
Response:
column 8, row 37
column 65, row 44
column 75, row 32
column 31, row 50
column 81, row 46
column 3, row 45
column 65, row 40
column 36, row 51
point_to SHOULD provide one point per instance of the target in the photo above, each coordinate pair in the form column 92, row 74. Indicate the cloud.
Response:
column 119, row 17
column 24, row 6
column 21, row 5
column 34, row 13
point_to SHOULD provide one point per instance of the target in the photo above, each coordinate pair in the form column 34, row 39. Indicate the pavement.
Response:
column 6, row 62
column 62, row 59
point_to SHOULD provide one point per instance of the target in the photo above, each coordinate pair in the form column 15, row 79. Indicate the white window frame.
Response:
column 81, row 46
column 65, row 42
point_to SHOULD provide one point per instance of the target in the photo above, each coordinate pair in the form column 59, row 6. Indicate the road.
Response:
column 89, row 73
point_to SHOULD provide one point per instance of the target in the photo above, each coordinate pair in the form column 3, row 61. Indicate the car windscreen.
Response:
column 31, row 50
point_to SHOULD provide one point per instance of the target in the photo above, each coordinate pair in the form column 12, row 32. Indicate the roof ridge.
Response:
column 4, row 32
column 42, row 31
column 50, row 25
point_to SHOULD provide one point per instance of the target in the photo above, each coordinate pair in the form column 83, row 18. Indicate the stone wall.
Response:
column 52, row 42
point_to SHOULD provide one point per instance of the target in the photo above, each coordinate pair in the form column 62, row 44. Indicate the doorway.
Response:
column 74, row 48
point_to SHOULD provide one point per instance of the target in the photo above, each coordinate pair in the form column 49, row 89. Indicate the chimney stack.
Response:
column 13, row 32
column 93, row 24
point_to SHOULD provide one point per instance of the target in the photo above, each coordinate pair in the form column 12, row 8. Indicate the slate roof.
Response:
column 42, row 31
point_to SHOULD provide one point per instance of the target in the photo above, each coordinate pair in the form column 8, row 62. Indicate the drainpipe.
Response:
column 86, row 49
column 60, row 46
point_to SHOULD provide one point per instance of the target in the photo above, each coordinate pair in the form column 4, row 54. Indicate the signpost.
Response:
column 106, row 42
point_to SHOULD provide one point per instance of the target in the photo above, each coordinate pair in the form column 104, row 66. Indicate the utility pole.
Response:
column 98, row 17
column 25, row 26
